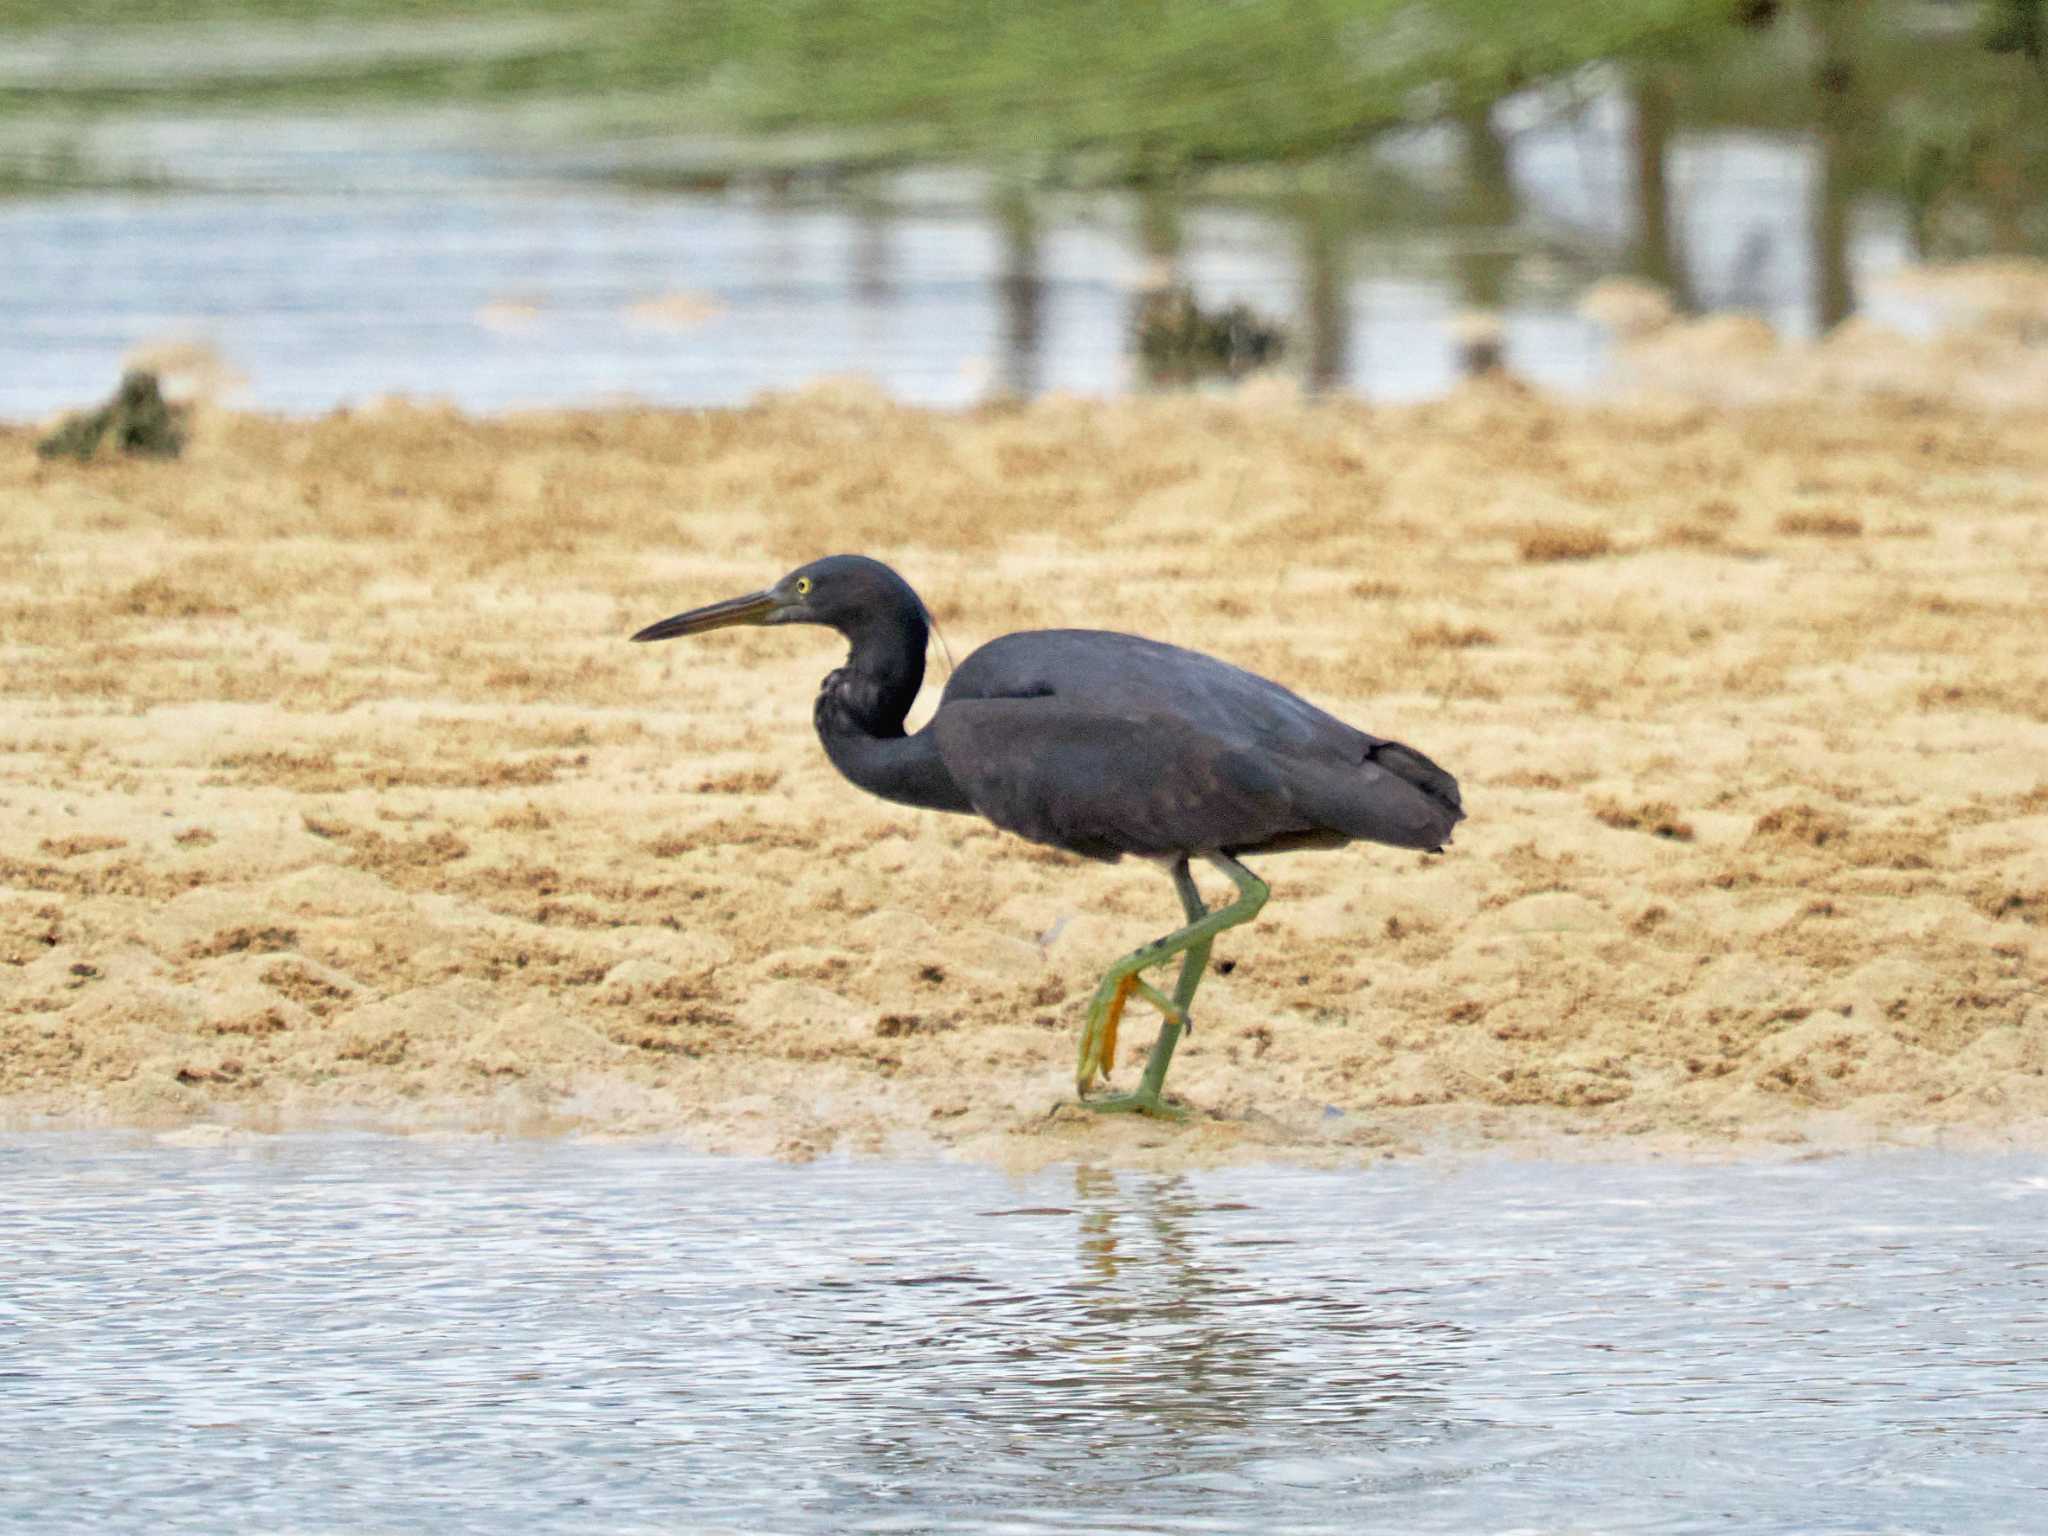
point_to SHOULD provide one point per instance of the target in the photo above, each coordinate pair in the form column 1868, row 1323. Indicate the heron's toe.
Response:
column 1139, row 1103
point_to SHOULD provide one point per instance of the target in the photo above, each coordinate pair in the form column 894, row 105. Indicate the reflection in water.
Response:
column 1749, row 276
column 944, row 289
column 1175, row 1351
column 1835, row 83
column 1020, row 293
column 1212, row 1348
column 1727, row 173
column 1482, row 265
column 1657, row 255
column 353, row 1333
column 1326, row 316
column 874, row 281
column 1159, row 230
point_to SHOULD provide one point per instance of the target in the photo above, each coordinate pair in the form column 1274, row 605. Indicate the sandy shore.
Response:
column 331, row 792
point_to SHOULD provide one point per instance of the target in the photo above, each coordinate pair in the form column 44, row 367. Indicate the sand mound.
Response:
column 1986, row 344
column 330, row 789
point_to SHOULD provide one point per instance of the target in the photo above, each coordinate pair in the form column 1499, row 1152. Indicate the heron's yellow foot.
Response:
column 1098, row 1038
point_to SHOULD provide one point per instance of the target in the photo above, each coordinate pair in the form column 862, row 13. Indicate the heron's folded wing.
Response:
column 1252, row 758
column 1104, row 785
column 1103, row 672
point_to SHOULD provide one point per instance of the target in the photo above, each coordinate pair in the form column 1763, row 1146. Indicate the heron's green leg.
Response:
column 1105, row 1013
column 1193, row 944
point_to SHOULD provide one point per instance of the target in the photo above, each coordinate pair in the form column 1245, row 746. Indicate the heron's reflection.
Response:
column 1149, row 1331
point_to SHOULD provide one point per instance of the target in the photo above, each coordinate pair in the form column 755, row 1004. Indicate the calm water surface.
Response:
column 356, row 1333
column 330, row 261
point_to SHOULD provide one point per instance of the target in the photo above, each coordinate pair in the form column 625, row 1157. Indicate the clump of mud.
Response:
column 1179, row 342
column 137, row 421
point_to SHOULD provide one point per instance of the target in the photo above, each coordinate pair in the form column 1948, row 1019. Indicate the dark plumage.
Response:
column 1106, row 744
column 1098, row 743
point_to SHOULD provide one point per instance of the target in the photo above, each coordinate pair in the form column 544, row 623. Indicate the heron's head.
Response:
column 849, row 593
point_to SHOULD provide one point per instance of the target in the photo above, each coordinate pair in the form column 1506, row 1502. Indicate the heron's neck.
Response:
column 860, row 713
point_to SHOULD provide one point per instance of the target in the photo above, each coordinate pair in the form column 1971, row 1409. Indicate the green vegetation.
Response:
column 1154, row 82
column 136, row 421
column 1942, row 102
column 1160, row 83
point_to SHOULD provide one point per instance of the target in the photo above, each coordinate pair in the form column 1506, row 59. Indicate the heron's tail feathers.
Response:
column 1395, row 796
column 1405, row 763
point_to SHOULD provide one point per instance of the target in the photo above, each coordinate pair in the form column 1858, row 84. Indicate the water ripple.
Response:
column 343, row 1333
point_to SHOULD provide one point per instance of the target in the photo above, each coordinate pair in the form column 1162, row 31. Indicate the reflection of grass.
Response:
column 265, row 54
column 1079, row 89
column 1179, row 80
column 66, row 167
column 1918, row 104
column 1175, row 81
column 82, row 16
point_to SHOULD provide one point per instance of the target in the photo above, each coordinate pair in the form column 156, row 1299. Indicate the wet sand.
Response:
column 330, row 791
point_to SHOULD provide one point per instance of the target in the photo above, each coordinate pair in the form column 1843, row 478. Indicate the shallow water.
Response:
column 348, row 1333
column 331, row 261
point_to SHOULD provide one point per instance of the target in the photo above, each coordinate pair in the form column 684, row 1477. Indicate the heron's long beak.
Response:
column 754, row 608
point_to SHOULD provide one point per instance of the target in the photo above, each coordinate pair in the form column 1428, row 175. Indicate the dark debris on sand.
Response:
column 137, row 420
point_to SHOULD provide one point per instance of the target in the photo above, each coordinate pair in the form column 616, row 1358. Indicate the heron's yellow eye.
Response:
column 803, row 586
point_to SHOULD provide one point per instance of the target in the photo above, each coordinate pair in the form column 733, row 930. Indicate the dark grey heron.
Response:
column 1100, row 744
